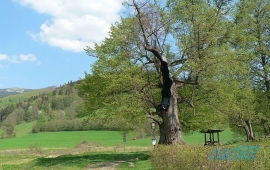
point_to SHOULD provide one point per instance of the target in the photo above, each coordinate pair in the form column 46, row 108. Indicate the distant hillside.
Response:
column 12, row 91
column 16, row 95
column 53, row 109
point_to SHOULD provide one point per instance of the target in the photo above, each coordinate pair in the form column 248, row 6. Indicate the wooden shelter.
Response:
column 211, row 133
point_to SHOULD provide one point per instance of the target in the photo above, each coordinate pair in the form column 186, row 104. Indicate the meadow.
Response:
column 69, row 139
column 81, row 149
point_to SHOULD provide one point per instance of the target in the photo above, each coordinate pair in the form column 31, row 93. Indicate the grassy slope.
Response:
column 66, row 139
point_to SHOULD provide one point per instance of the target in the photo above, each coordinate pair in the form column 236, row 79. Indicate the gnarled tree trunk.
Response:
column 170, row 130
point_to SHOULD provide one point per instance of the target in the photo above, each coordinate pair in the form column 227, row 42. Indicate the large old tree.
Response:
column 197, row 28
column 156, row 59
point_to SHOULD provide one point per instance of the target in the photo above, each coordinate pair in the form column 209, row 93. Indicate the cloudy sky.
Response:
column 42, row 41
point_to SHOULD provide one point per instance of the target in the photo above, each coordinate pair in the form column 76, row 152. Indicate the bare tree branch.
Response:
column 154, row 119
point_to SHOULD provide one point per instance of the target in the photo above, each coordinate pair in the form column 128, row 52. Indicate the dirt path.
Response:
column 105, row 165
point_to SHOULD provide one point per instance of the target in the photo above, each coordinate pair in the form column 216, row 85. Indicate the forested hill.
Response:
column 10, row 96
column 43, row 105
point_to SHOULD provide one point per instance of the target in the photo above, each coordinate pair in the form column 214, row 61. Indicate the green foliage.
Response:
column 198, row 157
column 208, row 44
column 58, row 125
column 9, row 131
column 113, row 90
column 17, row 98
column 252, row 37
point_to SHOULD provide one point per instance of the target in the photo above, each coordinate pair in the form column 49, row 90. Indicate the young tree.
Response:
column 252, row 20
column 9, row 130
column 236, row 99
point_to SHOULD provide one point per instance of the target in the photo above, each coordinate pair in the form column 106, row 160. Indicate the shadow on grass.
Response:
column 86, row 159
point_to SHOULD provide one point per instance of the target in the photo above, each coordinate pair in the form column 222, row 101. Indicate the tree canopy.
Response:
column 205, row 63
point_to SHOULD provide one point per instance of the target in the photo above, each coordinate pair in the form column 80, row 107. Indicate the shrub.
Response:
column 60, row 125
column 198, row 157
column 36, row 128
column 35, row 149
column 9, row 131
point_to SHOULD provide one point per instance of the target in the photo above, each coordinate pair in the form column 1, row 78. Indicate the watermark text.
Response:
column 238, row 153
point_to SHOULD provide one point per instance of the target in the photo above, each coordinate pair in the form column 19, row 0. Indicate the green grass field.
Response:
column 65, row 150
column 69, row 139
column 66, row 139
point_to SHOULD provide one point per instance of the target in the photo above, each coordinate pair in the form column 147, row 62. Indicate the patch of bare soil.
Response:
column 105, row 165
column 17, row 162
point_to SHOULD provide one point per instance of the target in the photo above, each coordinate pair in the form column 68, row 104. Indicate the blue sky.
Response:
column 42, row 41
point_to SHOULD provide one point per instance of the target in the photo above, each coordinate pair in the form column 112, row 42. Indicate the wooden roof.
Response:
column 211, row 131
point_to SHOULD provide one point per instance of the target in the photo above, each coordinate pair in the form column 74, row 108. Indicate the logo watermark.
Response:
column 238, row 153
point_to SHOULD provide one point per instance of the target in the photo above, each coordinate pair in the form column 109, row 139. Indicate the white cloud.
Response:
column 18, row 59
column 75, row 24
column 3, row 57
column 28, row 57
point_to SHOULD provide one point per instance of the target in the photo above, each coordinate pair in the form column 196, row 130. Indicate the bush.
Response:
column 72, row 125
column 9, row 131
column 35, row 149
column 58, row 125
column 198, row 157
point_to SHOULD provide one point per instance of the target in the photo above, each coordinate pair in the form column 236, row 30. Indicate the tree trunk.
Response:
column 170, row 130
column 249, row 130
column 268, row 130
